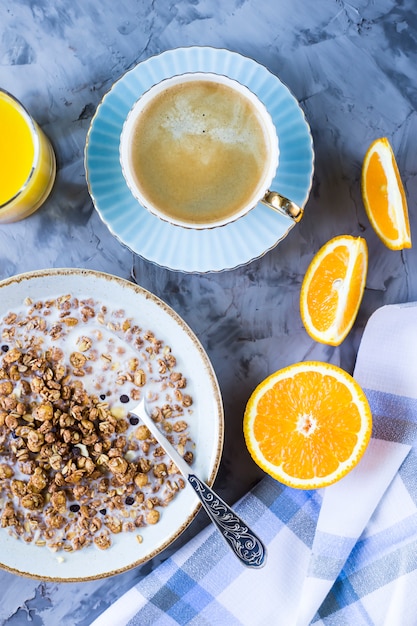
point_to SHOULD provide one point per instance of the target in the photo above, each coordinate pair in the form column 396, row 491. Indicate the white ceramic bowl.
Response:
column 206, row 428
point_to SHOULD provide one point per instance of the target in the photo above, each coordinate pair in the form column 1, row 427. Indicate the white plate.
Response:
column 185, row 249
column 206, row 429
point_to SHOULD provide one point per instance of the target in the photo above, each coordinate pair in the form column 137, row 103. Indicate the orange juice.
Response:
column 27, row 162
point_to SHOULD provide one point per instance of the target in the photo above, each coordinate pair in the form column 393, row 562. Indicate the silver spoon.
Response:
column 248, row 548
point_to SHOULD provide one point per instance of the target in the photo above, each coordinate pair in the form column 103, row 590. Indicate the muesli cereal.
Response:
column 76, row 467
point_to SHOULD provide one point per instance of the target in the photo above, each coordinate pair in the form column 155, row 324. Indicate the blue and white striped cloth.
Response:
column 343, row 556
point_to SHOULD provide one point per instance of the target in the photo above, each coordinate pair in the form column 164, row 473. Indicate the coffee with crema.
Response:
column 199, row 151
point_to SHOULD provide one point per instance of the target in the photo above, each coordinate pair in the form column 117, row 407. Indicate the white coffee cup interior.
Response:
column 269, row 172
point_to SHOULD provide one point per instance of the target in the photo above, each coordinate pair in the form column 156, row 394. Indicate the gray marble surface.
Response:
column 351, row 65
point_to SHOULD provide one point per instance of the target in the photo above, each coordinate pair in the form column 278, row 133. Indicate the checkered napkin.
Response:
column 342, row 556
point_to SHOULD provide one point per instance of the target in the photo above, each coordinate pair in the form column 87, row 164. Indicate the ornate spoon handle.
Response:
column 243, row 541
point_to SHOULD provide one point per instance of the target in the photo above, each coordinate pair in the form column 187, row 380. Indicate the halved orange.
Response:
column 332, row 289
column 307, row 425
column 384, row 197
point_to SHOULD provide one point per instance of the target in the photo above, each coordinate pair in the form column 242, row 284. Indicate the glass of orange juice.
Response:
column 27, row 161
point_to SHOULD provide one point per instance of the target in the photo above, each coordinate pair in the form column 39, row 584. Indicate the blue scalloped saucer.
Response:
column 189, row 250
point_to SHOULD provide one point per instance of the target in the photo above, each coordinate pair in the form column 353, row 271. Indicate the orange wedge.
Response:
column 308, row 424
column 383, row 196
column 333, row 287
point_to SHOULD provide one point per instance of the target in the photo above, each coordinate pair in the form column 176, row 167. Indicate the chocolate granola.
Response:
column 75, row 467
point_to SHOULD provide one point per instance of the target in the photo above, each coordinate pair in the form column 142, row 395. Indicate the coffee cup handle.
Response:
column 280, row 204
